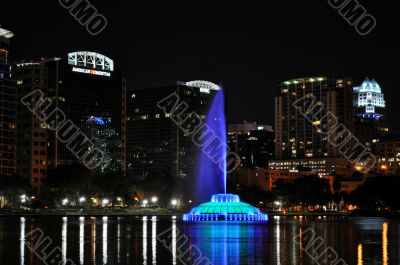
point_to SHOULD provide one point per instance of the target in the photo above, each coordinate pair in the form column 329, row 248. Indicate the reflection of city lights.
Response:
column 385, row 256
column 359, row 255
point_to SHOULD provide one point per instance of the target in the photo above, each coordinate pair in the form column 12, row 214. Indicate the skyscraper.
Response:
column 88, row 88
column 299, row 134
column 32, row 134
column 7, row 107
column 370, row 120
column 154, row 143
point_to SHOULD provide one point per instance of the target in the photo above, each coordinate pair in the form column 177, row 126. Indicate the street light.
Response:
column 174, row 202
column 23, row 198
column 82, row 199
column 105, row 202
column 65, row 202
column 154, row 199
column 145, row 202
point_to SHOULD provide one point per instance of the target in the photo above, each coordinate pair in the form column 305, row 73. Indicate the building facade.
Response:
column 253, row 143
column 266, row 179
column 154, row 143
column 8, row 116
column 88, row 89
column 299, row 135
column 32, row 134
column 322, row 166
column 387, row 151
column 370, row 119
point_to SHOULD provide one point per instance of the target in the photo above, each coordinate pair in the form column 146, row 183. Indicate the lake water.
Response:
column 162, row 240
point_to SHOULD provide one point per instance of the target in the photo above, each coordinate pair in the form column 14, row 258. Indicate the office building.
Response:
column 300, row 134
column 322, row 166
column 7, row 108
column 370, row 119
column 88, row 88
column 253, row 143
column 266, row 179
column 32, row 137
column 155, row 145
column 387, row 150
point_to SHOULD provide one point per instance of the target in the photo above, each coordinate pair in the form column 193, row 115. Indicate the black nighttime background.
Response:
column 105, row 154
column 247, row 48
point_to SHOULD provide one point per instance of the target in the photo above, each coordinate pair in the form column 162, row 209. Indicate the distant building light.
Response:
column 90, row 71
column 91, row 60
column 205, row 90
column 203, row 85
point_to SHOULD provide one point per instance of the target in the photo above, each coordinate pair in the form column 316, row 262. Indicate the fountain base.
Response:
column 225, row 207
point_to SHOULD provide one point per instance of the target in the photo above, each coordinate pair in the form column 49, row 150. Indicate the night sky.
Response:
column 245, row 47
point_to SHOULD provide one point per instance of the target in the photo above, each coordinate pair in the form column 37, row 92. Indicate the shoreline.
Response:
column 167, row 213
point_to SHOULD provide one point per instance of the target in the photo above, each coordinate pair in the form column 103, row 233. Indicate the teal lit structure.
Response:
column 225, row 207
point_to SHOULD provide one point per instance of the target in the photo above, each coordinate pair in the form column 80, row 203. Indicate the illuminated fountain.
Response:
column 211, row 176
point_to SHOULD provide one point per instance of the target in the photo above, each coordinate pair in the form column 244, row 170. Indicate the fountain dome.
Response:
column 225, row 207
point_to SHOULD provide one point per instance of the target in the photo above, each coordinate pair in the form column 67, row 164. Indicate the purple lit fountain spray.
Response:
column 212, row 175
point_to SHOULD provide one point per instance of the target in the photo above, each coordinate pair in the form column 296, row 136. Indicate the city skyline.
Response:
column 160, row 44
column 199, row 133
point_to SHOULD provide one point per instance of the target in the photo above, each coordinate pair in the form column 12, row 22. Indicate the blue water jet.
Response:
column 211, row 175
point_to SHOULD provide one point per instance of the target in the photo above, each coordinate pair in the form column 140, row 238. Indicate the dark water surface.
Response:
column 161, row 240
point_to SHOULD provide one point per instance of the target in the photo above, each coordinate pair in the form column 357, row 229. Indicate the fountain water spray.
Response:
column 212, row 173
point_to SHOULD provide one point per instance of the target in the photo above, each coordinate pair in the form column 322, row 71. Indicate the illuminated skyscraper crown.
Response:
column 369, row 95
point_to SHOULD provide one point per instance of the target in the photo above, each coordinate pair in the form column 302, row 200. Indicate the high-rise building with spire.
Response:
column 370, row 121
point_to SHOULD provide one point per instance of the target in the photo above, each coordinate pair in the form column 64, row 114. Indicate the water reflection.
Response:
column 81, row 240
column 64, row 239
column 105, row 240
column 385, row 257
column 132, row 241
column 154, row 239
column 93, row 240
column 119, row 240
column 173, row 245
column 360, row 254
column 278, row 240
column 22, row 241
column 144, row 243
column 228, row 243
